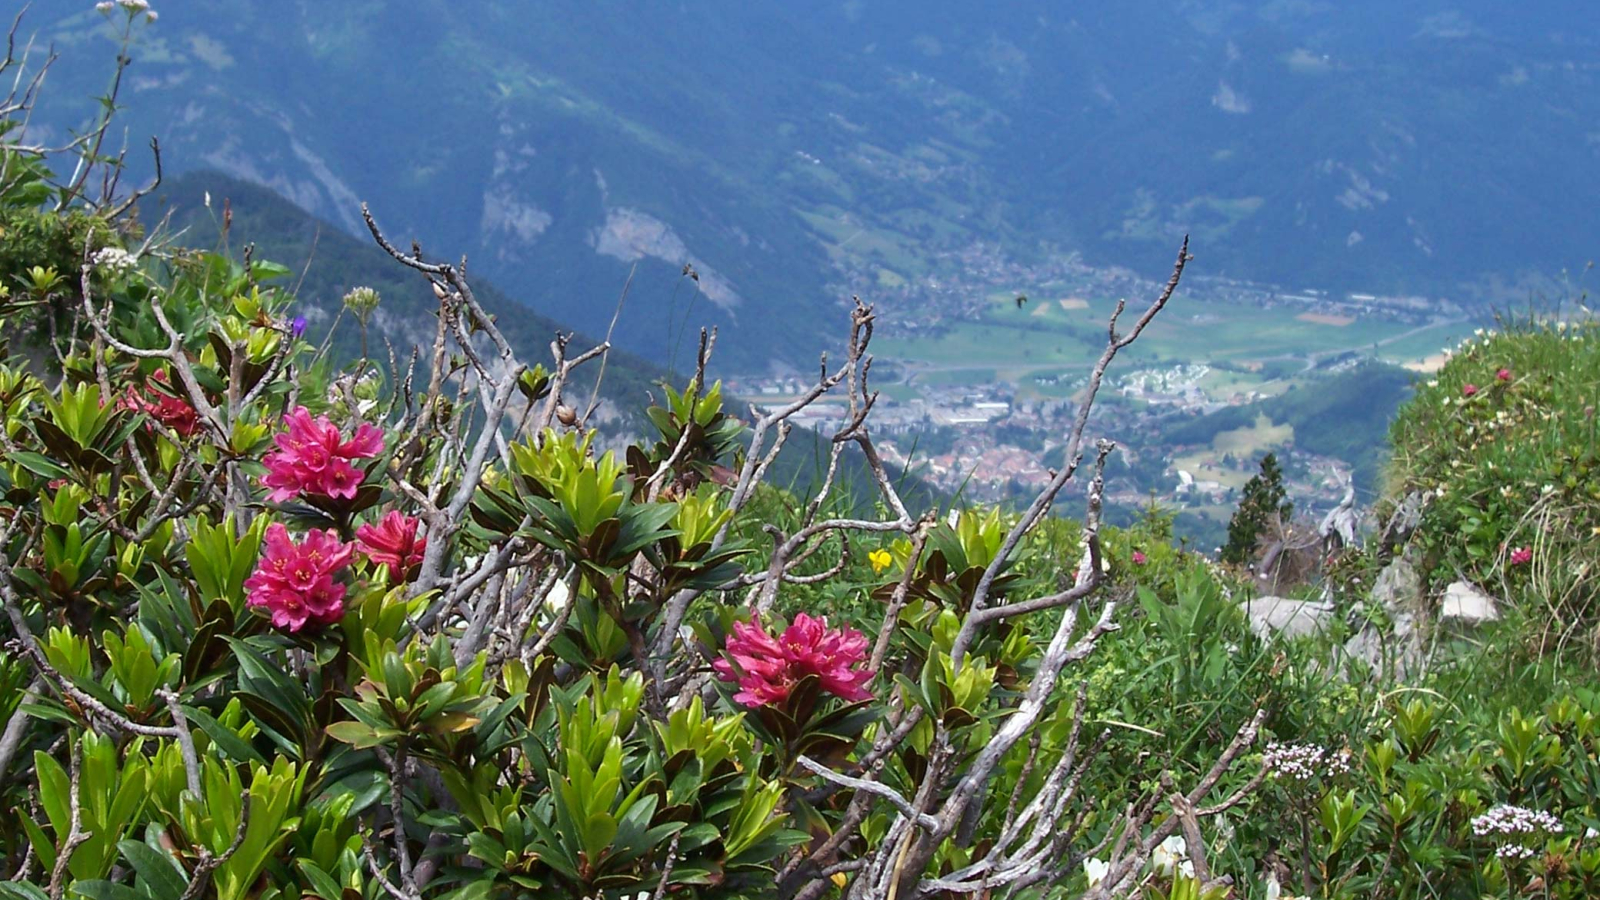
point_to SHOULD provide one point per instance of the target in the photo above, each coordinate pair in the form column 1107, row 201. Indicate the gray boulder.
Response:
column 1283, row 617
column 1466, row 605
column 1398, row 648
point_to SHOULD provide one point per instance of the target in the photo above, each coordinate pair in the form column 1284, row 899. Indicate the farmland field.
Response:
column 1057, row 331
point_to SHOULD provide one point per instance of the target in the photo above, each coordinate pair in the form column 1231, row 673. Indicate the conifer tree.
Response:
column 1264, row 498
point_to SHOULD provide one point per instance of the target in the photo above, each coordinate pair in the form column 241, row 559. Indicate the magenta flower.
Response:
column 1521, row 556
column 313, row 458
column 768, row 668
column 1503, row 375
column 393, row 543
column 294, row 582
column 1467, row 390
column 1138, row 558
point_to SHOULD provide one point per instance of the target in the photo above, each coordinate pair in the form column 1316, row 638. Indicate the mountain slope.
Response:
column 327, row 263
column 792, row 155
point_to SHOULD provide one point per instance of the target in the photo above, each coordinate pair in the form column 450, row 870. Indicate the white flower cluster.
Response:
column 1506, row 821
column 1302, row 762
column 1512, row 821
column 114, row 260
column 133, row 7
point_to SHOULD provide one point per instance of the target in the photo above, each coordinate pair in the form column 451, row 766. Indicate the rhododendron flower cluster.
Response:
column 1467, row 390
column 1503, row 375
column 294, row 582
column 768, row 668
column 1521, row 556
column 164, row 408
column 393, row 542
column 1139, row 558
column 314, row 458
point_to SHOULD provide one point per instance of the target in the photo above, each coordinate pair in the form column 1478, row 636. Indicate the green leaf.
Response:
column 21, row 890
column 226, row 739
column 159, row 871
column 39, row 465
column 321, row 881
column 362, row 737
column 106, row 890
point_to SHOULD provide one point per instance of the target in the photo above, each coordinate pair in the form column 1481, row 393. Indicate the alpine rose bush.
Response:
column 295, row 583
column 314, row 458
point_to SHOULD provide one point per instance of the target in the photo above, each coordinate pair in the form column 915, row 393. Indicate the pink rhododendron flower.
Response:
column 769, row 667
column 1503, row 374
column 294, row 582
column 1467, row 390
column 164, row 408
column 393, row 543
column 1138, row 558
column 313, row 458
column 1521, row 556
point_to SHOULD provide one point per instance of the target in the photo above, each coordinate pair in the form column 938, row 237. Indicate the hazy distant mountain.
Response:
column 1428, row 147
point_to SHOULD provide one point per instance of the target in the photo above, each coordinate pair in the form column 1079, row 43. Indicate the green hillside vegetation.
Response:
column 1505, row 442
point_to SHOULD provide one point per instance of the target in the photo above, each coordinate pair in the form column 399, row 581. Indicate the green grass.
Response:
column 1245, row 442
column 1042, row 333
column 948, row 377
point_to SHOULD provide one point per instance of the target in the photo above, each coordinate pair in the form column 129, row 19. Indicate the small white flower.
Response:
column 1169, row 854
column 104, row 6
column 1096, row 871
column 557, row 599
column 134, row 6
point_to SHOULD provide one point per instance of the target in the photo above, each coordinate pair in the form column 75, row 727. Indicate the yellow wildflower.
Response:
column 880, row 560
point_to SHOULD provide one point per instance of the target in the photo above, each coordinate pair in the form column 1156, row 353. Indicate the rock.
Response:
column 1283, row 617
column 1398, row 588
column 1465, row 604
column 1398, row 649
column 1407, row 516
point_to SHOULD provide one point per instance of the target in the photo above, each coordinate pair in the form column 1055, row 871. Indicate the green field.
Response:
column 1054, row 331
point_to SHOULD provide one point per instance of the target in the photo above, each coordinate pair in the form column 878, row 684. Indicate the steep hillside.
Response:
column 328, row 262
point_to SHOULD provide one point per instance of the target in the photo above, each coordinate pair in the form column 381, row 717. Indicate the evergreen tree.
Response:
column 1264, row 498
